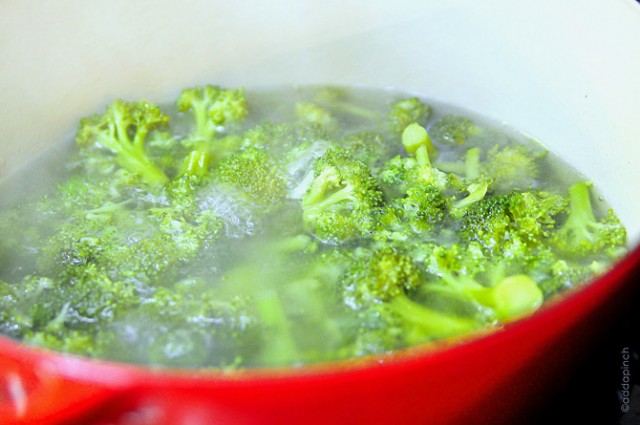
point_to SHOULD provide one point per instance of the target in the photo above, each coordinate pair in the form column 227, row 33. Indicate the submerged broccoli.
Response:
column 379, row 288
column 256, row 174
column 512, row 167
column 407, row 111
column 454, row 129
column 222, row 244
column 335, row 99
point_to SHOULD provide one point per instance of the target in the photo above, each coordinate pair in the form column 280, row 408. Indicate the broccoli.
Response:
column 311, row 113
column 402, row 172
column 379, row 287
column 379, row 276
column 122, row 131
column 583, row 234
column 467, row 275
column 213, row 108
column 454, row 130
column 420, row 213
column 335, row 99
column 405, row 112
column 218, row 242
column 196, row 164
column 185, row 327
column 343, row 198
column 563, row 275
column 470, row 168
column 495, row 221
column 370, row 147
column 512, row 167
column 47, row 308
column 256, row 174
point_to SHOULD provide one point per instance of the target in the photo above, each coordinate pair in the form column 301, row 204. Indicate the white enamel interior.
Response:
column 565, row 72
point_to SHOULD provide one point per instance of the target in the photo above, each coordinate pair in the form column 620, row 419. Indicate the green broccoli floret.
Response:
column 512, row 167
column 343, row 198
column 143, row 238
column 486, row 221
column 454, row 130
column 379, row 276
column 254, row 172
column 214, row 108
column 369, row 147
column 535, row 213
column 497, row 220
column 81, row 301
column 458, row 272
column 402, row 172
column 335, row 99
column 419, row 213
column 311, row 113
column 186, row 327
column 564, row 275
column 122, row 131
column 404, row 112
column 582, row 234
column 378, row 287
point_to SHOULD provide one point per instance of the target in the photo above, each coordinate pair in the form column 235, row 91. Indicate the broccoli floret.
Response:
column 186, row 327
column 122, row 131
column 254, row 172
column 402, row 172
column 419, row 213
column 564, row 275
column 143, row 238
column 454, row 130
column 458, row 273
column 335, row 99
column 512, row 167
column 369, row 147
column 535, row 213
column 213, row 108
column 497, row 220
column 311, row 113
column 377, row 286
column 82, row 302
column 379, row 276
column 404, row 112
column 582, row 234
column 486, row 221
column 343, row 198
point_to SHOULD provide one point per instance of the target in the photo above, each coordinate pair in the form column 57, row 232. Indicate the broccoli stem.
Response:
column 319, row 203
column 196, row 164
column 415, row 137
column 354, row 110
column 580, row 209
column 139, row 163
column 430, row 323
column 282, row 347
